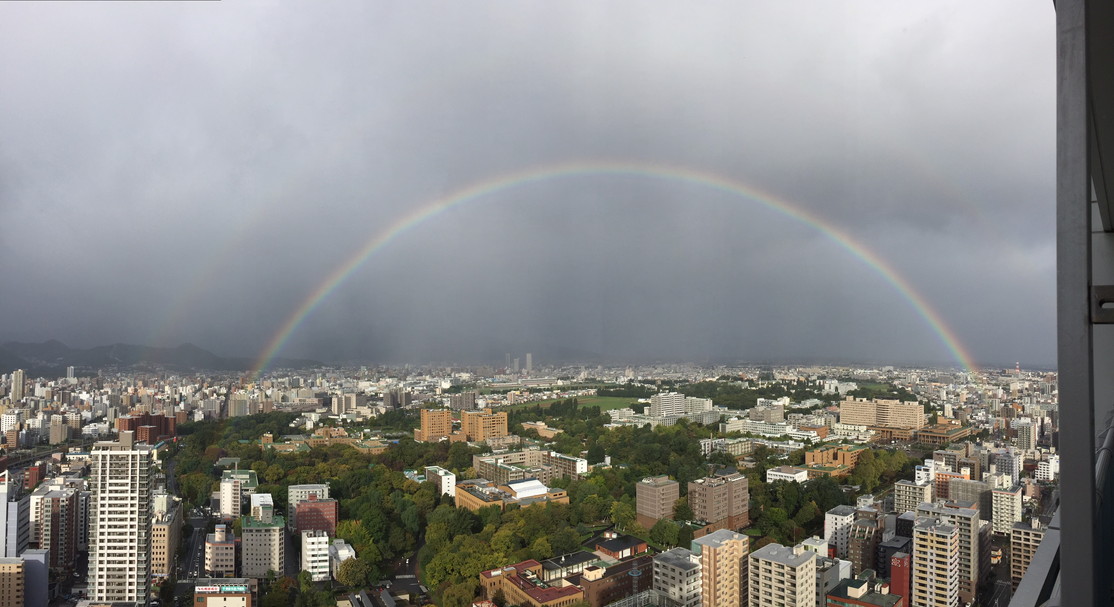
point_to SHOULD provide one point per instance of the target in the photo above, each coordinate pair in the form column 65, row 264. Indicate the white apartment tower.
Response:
column 677, row 578
column 120, row 521
column 837, row 529
column 15, row 517
column 315, row 554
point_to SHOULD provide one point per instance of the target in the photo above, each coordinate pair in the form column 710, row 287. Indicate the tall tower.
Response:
column 529, row 362
column 120, row 521
column 17, row 385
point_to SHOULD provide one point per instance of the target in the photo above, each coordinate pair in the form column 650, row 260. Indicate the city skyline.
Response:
column 854, row 183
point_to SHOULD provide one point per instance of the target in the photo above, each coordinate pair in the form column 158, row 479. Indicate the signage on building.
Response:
column 227, row 589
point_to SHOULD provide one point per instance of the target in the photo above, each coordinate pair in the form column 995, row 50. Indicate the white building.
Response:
column 1006, row 509
column 677, row 577
column 446, row 481
column 339, row 551
column 120, row 521
column 837, row 528
column 315, row 554
column 787, row 473
column 15, row 515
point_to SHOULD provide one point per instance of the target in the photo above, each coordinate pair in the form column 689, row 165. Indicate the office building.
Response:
column 901, row 575
column 445, row 480
column 655, row 497
column 316, row 515
column 1007, row 509
column 262, row 546
column 436, row 424
column 787, row 473
column 522, row 585
column 236, row 486
column 666, row 404
column 13, row 583
column 301, row 493
column 908, row 495
column 529, row 362
column 315, row 554
column 677, row 578
column 479, row 426
column 464, row 401
column 881, row 413
column 782, row 576
column 1024, row 541
column 166, row 531
column 722, row 500
column 935, row 581
column 220, row 552
column 723, row 568
column 837, row 529
column 120, row 522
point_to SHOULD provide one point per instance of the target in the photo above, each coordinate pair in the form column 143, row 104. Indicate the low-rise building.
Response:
column 522, row 585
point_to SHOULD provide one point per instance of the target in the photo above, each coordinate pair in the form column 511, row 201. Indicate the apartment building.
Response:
column 316, row 514
column 220, row 552
column 120, row 522
column 908, row 495
column 262, row 547
column 315, row 554
column 446, row 481
column 301, row 493
column 968, row 525
column 723, row 568
column 1024, row 541
column 1007, row 509
column 677, row 578
column 13, row 583
column 166, row 531
column 935, row 580
column 837, row 529
column 782, row 576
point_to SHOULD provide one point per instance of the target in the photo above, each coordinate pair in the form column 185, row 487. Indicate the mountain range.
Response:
column 52, row 357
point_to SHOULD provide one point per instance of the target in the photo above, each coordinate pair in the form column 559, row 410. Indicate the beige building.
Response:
column 503, row 468
column 166, row 531
column 435, row 425
column 12, row 582
column 723, row 568
column 481, row 425
column 721, row 500
column 655, row 497
column 781, row 576
column 935, row 564
column 968, row 524
column 1024, row 541
column 220, row 552
column 881, row 412
column 909, row 495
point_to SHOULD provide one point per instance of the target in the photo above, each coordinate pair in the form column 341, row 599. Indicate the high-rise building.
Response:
column 529, row 362
column 901, row 576
column 908, row 495
column 435, row 425
column 1007, row 509
column 723, row 568
column 236, row 486
column 166, row 532
column 967, row 524
column 58, row 527
column 677, row 577
column 315, row 555
column 465, row 401
column 1024, row 541
column 837, row 529
column 779, row 575
column 862, row 545
column 301, row 493
column 120, row 522
column 13, row 584
column 18, row 380
column 220, row 552
column 721, row 500
column 655, row 497
column 665, row 404
column 262, row 544
column 15, row 516
column 935, row 581
column 315, row 514
column 483, row 424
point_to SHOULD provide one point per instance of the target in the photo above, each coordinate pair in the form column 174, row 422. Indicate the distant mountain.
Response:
column 52, row 357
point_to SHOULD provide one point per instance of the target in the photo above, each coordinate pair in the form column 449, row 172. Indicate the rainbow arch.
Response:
column 529, row 176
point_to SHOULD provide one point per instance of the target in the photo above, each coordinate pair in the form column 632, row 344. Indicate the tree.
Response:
column 665, row 532
column 623, row 516
column 682, row 511
column 353, row 572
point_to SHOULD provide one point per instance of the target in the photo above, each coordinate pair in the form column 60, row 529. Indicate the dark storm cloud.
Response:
column 191, row 172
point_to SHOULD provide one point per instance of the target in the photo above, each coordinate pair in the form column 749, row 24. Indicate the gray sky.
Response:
column 193, row 171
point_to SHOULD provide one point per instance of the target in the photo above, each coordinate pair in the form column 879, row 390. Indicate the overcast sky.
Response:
column 191, row 172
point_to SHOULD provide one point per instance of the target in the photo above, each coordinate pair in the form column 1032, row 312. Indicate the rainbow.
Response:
column 535, row 175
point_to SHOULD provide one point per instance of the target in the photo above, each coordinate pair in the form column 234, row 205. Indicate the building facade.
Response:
column 779, row 575
column 655, row 497
column 723, row 559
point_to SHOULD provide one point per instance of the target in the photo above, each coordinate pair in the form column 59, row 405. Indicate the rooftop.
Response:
column 783, row 555
column 678, row 558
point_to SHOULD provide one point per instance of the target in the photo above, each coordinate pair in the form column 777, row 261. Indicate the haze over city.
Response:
column 854, row 182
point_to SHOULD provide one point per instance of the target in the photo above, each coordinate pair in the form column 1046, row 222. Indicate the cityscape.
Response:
column 531, row 485
column 535, row 304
